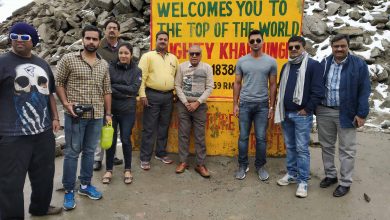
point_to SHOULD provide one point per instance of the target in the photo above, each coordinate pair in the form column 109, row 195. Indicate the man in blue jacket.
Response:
column 345, row 108
column 301, row 89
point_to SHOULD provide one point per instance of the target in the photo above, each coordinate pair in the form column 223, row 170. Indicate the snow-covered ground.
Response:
column 8, row 6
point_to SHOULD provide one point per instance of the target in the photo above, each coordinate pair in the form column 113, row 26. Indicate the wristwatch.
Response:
column 109, row 115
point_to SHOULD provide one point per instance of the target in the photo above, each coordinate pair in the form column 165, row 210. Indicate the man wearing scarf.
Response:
column 301, row 89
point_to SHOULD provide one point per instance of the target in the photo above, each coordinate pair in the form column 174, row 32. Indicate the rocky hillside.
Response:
column 59, row 24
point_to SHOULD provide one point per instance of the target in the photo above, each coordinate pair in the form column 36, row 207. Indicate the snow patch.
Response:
column 382, row 89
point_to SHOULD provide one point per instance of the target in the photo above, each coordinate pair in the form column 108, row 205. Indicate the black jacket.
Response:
column 125, row 83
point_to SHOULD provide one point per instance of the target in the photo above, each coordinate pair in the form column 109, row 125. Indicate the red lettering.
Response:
column 282, row 52
column 209, row 49
column 233, row 50
column 242, row 51
column 222, row 51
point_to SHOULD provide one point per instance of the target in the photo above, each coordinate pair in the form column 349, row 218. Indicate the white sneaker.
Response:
column 302, row 190
column 287, row 179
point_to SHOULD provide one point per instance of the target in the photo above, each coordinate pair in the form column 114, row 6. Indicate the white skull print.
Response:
column 29, row 76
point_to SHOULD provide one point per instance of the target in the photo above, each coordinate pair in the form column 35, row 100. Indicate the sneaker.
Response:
column 287, row 179
column 145, row 165
column 263, row 174
column 69, row 202
column 165, row 159
column 117, row 161
column 91, row 192
column 301, row 190
column 240, row 174
column 52, row 210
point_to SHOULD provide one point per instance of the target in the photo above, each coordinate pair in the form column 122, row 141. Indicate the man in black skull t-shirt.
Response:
column 28, row 114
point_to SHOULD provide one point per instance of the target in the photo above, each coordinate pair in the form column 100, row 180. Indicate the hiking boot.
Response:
column 287, row 179
column 69, row 202
column 91, row 192
column 241, row 173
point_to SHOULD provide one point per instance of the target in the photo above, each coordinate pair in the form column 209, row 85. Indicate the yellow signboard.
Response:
column 221, row 29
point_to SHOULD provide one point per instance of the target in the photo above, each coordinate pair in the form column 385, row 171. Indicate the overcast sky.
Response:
column 8, row 6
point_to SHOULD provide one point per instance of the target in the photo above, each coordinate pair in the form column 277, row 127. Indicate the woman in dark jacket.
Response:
column 125, row 81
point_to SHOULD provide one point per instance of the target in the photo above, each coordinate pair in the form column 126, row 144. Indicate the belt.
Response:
column 332, row 107
column 158, row 91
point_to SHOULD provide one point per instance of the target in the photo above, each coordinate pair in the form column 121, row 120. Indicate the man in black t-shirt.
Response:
column 28, row 114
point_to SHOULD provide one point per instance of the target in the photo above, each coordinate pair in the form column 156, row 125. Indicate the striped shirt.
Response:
column 84, row 84
column 332, row 85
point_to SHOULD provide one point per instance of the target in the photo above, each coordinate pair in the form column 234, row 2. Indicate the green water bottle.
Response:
column 107, row 135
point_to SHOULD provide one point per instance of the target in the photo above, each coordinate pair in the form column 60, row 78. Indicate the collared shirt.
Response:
column 194, row 83
column 84, row 84
column 158, row 71
column 332, row 86
column 108, row 52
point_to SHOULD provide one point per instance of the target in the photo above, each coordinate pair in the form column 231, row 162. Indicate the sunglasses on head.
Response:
column 296, row 47
column 252, row 41
column 194, row 54
column 21, row 37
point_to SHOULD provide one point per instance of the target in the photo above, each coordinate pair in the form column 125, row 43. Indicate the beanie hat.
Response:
column 24, row 28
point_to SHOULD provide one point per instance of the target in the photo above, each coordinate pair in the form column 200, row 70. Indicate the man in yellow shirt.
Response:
column 159, row 68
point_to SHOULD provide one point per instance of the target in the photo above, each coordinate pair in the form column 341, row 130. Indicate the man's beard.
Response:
column 90, row 48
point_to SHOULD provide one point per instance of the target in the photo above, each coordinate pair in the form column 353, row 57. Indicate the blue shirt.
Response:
column 332, row 85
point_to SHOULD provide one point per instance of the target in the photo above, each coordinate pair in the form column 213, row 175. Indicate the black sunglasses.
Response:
column 194, row 53
column 296, row 47
column 258, row 40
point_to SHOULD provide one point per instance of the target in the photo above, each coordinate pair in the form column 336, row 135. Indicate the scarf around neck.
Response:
column 299, row 86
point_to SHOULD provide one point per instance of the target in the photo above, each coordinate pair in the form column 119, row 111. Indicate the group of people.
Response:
column 100, row 83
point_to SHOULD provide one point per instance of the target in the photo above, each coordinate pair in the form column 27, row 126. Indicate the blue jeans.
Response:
column 80, row 137
column 126, row 123
column 256, row 112
column 296, row 133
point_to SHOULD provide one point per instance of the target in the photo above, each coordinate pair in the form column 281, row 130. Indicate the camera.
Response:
column 80, row 109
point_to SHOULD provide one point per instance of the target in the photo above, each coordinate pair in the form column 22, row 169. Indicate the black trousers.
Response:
column 19, row 155
column 155, row 124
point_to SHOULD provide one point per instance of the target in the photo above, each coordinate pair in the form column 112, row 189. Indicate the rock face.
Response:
column 314, row 28
column 59, row 23
column 329, row 19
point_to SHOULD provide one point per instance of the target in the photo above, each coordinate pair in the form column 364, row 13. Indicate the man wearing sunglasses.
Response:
column 252, row 102
column 28, row 117
column 194, row 84
column 300, row 91
column 344, row 108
